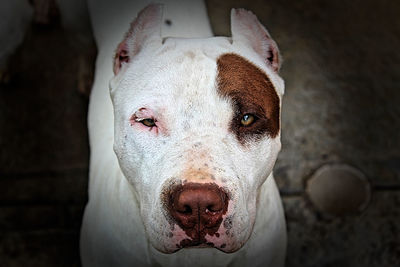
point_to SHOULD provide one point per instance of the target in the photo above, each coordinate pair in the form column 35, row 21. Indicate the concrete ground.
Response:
column 341, row 105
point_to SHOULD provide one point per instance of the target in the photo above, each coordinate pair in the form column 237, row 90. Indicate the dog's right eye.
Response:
column 148, row 122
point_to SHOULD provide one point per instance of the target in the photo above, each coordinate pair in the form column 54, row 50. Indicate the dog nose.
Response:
column 198, row 207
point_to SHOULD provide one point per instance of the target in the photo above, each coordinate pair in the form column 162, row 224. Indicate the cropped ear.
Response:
column 146, row 28
column 247, row 29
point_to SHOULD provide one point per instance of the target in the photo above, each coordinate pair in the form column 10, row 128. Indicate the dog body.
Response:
column 195, row 127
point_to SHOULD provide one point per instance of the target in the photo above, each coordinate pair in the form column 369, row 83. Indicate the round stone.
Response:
column 339, row 189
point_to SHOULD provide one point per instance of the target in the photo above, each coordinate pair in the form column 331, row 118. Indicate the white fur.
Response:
column 124, row 222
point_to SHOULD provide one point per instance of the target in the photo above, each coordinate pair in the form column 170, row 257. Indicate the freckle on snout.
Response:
column 197, row 144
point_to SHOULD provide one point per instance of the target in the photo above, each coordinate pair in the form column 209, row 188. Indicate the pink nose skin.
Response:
column 198, row 210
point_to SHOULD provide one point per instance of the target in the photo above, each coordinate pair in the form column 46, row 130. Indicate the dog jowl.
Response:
column 197, row 129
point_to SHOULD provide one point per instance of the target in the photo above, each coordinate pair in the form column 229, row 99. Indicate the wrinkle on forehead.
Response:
column 250, row 90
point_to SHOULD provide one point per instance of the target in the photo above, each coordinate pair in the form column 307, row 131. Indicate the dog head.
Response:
column 197, row 129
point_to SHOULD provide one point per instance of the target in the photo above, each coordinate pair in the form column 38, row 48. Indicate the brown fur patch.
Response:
column 251, row 92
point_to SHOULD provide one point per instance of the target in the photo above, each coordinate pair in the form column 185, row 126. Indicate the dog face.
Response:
column 197, row 129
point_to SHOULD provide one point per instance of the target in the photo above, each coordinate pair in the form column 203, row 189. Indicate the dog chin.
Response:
column 201, row 246
column 187, row 244
column 226, row 250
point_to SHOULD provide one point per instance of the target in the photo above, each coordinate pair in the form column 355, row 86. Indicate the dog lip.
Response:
column 229, row 250
column 194, row 244
column 188, row 243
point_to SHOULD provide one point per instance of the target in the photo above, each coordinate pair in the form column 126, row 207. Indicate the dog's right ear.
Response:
column 146, row 28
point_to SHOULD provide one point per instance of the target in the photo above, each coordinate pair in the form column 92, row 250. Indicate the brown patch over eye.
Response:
column 256, row 103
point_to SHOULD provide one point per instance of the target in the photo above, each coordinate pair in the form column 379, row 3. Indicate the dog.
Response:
column 184, row 131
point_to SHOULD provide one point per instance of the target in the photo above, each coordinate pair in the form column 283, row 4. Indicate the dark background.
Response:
column 341, row 106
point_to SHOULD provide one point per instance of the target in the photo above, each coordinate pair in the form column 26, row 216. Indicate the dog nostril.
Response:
column 213, row 208
column 186, row 210
column 196, row 205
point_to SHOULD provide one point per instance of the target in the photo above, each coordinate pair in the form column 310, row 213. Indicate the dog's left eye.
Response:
column 247, row 120
column 148, row 122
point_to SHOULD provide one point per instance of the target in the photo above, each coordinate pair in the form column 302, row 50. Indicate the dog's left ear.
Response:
column 145, row 29
column 247, row 29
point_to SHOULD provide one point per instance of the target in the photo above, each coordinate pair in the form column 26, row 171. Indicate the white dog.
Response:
column 194, row 122
column 183, row 150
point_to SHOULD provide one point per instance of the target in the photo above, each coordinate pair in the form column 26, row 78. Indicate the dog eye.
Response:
column 148, row 122
column 247, row 120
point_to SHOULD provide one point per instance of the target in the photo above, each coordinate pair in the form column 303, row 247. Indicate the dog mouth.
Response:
column 200, row 239
column 196, row 244
column 187, row 243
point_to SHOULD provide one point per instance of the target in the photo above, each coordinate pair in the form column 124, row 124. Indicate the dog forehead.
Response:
column 218, row 50
column 211, row 46
column 191, row 57
column 179, row 67
column 206, row 77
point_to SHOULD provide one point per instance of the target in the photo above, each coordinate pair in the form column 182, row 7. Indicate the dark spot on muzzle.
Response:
column 228, row 222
